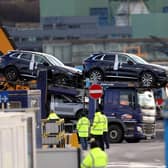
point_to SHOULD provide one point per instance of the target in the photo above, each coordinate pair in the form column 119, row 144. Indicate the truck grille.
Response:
column 148, row 129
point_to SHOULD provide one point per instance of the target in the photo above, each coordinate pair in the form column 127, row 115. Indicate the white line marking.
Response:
column 135, row 165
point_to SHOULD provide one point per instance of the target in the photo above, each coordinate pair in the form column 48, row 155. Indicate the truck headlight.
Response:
column 126, row 116
column 139, row 129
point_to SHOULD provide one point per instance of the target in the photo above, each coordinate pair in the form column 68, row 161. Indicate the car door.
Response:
column 63, row 105
column 127, row 67
column 108, row 61
column 25, row 64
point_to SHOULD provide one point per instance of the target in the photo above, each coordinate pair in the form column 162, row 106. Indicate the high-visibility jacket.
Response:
column 83, row 125
column 97, row 126
column 52, row 116
column 96, row 158
column 105, row 123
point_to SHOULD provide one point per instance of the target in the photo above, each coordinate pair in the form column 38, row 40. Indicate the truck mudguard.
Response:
column 112, row 120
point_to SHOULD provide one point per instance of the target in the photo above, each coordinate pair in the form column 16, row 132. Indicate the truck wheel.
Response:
column 116, row 134
column 132, row 140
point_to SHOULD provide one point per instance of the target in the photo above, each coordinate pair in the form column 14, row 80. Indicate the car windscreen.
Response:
column 53, row 60
column 138, row 59
column 73, row 99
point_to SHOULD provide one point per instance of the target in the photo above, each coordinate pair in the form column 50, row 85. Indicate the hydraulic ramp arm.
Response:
column 6, row 43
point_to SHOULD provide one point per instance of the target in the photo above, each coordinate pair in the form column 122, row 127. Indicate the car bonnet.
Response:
column 73, row 70
column 160, row 66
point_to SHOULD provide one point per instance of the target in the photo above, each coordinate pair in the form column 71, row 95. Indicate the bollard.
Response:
column 165, row 115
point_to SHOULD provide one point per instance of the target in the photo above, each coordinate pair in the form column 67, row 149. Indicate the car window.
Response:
column 14, row 55
column 58, row 99
column 73, row 99
column 122, row 58
column 61, row 99
column 97, row 57
column 109, row 57
column 39, row 59
column 26, row 56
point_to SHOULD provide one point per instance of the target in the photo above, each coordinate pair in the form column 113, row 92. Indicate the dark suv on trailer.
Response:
column 26, row 64
column 124, row 66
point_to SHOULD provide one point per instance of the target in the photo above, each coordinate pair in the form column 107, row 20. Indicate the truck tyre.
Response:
column 132, row 140
column 116, row 134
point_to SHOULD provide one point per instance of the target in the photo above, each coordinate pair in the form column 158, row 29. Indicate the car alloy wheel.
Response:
column 147, row 79
column 96, row 75
column 11, row 74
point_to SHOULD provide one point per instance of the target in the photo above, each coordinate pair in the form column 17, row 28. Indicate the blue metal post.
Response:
column 92, row 108
column 41, row 85
column 166, row 140
column 165, row 115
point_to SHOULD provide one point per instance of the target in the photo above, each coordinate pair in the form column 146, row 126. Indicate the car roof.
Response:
column 112, row 52
column 109, row 52
column 26, row 51
column 40, row 53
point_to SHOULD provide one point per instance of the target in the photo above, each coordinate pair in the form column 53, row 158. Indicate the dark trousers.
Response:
column 106, row 139
column 84, row 143
column 100, row 141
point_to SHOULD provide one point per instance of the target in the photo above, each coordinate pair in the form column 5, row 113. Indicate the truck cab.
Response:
column 131, row 112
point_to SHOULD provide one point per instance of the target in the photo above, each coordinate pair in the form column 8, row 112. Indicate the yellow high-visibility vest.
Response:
column 96, row 158
column 52, row 116
column 83, row 125
column 98, row 124
column 105, row 123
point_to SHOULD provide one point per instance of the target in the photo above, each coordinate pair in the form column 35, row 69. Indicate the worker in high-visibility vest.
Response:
column 105, row 131
column 96, row 157
column 82, row 127
column 97, row 127
column 52, row 115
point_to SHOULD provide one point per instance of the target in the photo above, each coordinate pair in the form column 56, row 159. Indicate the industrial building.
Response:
column 91, row 20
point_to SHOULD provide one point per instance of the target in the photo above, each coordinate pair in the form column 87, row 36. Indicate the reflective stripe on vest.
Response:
column 105, row 124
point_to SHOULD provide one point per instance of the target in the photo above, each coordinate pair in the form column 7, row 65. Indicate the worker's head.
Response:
column 52, row 111
column 93, row 143
column 83, row 114
column 99, row 108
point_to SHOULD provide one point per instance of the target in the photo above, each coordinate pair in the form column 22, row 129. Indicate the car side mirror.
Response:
column 46, row 63
column 130, row 62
